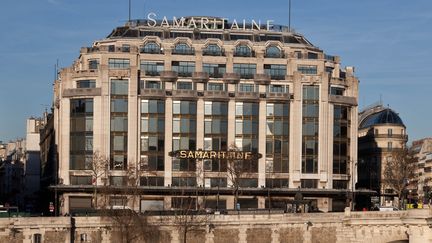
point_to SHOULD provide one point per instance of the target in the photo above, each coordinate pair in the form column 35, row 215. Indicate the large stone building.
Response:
column 381, row 132
column 206, row 84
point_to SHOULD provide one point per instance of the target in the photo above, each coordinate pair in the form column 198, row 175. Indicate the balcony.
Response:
column 216, row 94
column 152, row 93
column 184, row 93
column 82, row 92
column 168, row 76
column 200, row 77
column 85, row 73
column 247, row 95
column 119, row 73
column 278, row 96
column 190, row 51
column 262, row 78
column 231, row 78
column 346, row 100
column 151, row 73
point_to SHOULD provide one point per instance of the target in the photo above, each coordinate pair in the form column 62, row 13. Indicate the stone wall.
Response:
column 371, row 227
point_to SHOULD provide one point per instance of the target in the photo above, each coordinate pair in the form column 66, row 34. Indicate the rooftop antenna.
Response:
column 289, row 16
column 129, row 10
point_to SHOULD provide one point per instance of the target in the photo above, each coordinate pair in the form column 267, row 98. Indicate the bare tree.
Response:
column 399, row 169
column 238, row 169
column 99, row 169
column 187, row 217
column 120, row 208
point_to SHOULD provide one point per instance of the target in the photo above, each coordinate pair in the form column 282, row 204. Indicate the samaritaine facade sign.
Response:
column 202, row 154
column 207, row 23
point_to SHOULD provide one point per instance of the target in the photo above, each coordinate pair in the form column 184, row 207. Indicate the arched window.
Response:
column 273, row 51
column 243, row 51
column 183, row 49
column 151, row 47
column 212, row 50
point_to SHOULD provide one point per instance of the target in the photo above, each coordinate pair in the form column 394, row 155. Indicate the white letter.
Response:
column 179, row 23
column 244, row 24
column 192, row 23
column 165, row 22
column 269, row 24
column 258, row 26
column 149, row 17
column 223, row 23
column 204, row 22
column 234, row 23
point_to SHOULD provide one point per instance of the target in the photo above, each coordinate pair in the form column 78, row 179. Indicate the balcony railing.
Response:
column 200, row 77
column 231, row 78
column 168, row 76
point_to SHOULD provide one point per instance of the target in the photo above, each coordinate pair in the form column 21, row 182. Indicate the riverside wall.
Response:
column 372, row 227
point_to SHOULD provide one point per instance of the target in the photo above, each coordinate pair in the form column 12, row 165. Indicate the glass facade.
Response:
column 152, row 135
column 215, row 133
column 119, row 124
column 184, row 133
column 273, row 52
column 118, row 63
column 277, row 141
column 307, row 69
column 310, row 123
column 276, row 71
column 246, row 132
column 243, row 51
column 214, row 70
column 151, row 47
column 151, row 68
column 212, row 50
column 183, row 49
column 341, row 138
column 81, row 134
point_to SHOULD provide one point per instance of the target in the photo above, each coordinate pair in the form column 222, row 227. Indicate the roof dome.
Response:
column 385, row 116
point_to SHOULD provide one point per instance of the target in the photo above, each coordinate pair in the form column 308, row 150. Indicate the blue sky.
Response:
column 388, row 41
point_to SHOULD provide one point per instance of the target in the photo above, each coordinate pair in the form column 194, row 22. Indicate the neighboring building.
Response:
column 422, row 150
column 381, row 131
column 151, row 88
column 12, row 173
column 32, row 163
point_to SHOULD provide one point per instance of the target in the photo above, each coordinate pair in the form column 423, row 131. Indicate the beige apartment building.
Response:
column 156, row 87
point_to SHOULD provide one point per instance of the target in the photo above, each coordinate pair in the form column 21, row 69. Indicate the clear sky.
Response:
column 388, row 41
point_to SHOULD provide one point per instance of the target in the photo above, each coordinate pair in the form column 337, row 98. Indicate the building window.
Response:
column 184, row 131
column 212, row 50
column 307, row 69
column 273, row 52
column 390, row 146
column 152, row 135
column 312, row 55
column 215, row 86
column 341, row 138
column 119, row 124
column 118, row 180
column 151, row 68
column 246, row 71
column 125, row 48
column 246, row 129
column 243, row 51
column 151, row 48
column 152, row 181
column 81, row 180
column 183, row 49
column 93, row 64
column 184, row 181
column 308, row 183
column 214, row 70
column 37, row 238
column 310, row 120
column 183, row 69
column 337, row 90
column 81, row 134
column 118, row 63
column 340, row 184
column 277, row 183
column 390, row 132
column 242, row 87
column 247, row 182
column 86, row 84
column 275, row 71
column 184, row 85
column 277, row 88
column 151, row 84
column 277, row 139
column 215, row 133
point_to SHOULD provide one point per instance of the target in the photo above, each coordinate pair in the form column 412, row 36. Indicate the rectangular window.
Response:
column 81, row 133
column 118, row 63
column 275, row 71
column 337, row 90
column 310, row 117
column 93, row 64
column 245, row 70
column 309, row 183
column 86, row 84
column 215, row 86
column 307, row 69
column 183, row 69
column 242, row 87
column 276, row 88
column 277, row 139
column 81, row 180
column 214, row 70
column 184, row 85
column 119, row 86
column 151, row 68
column 152, row 181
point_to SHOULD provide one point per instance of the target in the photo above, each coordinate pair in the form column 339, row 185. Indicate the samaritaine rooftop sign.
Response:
column 207, row 23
